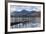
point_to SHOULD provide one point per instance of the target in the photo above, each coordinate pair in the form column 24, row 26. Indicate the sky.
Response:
column 28, row 8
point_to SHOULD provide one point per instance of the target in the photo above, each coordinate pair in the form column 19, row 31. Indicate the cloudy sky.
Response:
column 28, row 8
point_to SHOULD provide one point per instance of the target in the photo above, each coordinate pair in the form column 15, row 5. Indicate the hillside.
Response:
column 25, row 13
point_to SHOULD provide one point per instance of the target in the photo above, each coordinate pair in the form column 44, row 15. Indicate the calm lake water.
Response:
column 35, row 22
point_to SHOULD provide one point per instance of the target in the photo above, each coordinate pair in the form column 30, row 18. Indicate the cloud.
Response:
column 28, row 8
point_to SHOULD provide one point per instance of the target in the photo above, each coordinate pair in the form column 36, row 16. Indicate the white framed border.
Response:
column 24, row 29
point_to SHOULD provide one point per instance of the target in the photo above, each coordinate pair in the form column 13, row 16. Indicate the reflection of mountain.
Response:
column 25, row 13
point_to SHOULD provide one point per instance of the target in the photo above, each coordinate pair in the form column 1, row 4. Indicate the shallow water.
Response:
column 28, row 25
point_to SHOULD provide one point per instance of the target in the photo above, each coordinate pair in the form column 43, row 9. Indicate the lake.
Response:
column 33, row 22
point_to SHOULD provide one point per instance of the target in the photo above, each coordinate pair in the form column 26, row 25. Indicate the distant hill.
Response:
column 25, row 13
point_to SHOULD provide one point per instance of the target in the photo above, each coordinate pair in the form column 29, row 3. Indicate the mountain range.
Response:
column 25, row 13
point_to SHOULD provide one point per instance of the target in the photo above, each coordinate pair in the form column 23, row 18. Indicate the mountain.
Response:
column 25, row 13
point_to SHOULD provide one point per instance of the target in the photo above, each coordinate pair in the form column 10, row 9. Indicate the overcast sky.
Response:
column 28, row 8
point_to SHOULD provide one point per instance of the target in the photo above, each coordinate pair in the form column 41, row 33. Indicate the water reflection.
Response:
column 34, row 23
